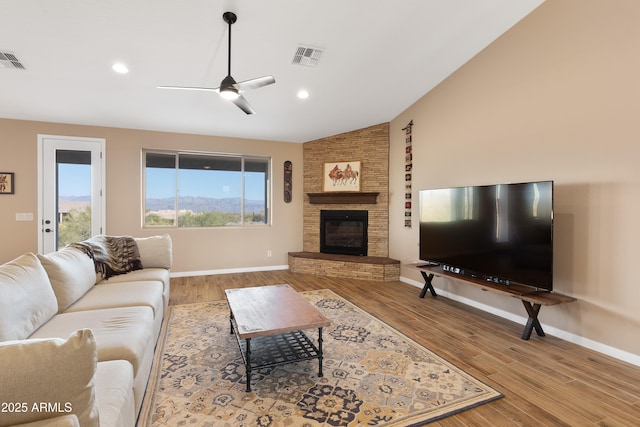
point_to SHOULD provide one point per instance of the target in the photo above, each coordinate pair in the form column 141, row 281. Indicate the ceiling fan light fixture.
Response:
column 229, row 93
column 228, row 90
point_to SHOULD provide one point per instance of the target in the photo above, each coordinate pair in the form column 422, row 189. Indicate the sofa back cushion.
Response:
column 26, row 298
column 71, row 272
column 155, row 251
column 54, row 372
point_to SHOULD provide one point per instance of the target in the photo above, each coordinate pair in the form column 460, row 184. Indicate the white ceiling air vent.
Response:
column 10, row 60
column 308, row 56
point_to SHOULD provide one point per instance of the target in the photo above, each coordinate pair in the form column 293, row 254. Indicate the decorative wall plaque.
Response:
column 408, row 166
column 288, row 185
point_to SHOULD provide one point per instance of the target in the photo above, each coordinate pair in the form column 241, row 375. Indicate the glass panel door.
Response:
column 70, row 188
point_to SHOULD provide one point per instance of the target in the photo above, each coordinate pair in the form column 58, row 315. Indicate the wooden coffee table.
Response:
column 268, row 322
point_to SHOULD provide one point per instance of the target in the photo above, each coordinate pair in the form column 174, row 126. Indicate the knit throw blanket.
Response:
column 111, row 255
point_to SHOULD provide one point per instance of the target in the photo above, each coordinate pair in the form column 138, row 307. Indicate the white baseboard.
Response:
column 227, row 271
column 549, row 330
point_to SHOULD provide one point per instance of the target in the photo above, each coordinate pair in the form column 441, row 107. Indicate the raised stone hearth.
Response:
column 380, row 269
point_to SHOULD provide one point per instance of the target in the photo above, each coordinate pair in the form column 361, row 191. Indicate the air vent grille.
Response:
column 10, row 60
column 307, row 56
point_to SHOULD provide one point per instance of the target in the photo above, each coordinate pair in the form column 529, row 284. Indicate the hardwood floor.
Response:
column 546, row 381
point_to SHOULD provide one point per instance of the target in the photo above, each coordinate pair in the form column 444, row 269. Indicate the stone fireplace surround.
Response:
column 370, row 146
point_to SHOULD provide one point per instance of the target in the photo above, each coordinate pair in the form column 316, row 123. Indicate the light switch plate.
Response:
column 24, row 216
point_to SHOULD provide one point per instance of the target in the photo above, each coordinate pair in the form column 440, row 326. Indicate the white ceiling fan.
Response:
column 229, row 88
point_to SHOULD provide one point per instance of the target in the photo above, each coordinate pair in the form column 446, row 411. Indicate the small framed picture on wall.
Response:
column 7, row 184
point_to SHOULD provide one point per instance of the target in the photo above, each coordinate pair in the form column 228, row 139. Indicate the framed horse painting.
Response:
column 341, row 176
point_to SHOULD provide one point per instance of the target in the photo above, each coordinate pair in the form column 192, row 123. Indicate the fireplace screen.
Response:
column 343, row 232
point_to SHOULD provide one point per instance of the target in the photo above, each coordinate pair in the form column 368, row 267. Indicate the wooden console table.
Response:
column 531, row 298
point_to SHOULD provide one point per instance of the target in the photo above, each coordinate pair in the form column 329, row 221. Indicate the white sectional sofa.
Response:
column 76, row 349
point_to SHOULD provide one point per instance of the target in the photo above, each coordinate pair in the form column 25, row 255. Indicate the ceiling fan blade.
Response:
column 229, row 88
column 255, row 83
column 243, row 104
column 204, row 89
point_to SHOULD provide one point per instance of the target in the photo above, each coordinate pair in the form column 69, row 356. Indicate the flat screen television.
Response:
column 501, row 233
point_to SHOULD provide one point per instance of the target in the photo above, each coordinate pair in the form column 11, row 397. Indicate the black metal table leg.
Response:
column 248, row 364
column 532, row 322
column 427, row 285
column 319, row 352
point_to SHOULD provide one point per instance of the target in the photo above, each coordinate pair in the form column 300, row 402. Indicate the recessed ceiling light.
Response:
column 120, row 68
column 303, row 94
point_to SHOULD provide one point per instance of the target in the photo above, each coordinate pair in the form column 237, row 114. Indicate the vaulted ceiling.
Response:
column 377, row 58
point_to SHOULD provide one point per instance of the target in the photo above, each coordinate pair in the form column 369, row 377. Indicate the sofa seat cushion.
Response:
column 26, row 298
column 72, row 274
column 113, row 295
column 158, row 274
column 114, row 394
column 52, row 371
column 121, row 333
column 146, row 274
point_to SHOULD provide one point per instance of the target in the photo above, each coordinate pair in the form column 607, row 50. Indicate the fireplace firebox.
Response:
column 343, row 232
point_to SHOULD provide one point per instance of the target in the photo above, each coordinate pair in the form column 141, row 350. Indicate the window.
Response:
column 187, row 189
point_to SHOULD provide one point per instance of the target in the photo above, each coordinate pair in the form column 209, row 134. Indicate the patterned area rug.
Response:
column 373, row 375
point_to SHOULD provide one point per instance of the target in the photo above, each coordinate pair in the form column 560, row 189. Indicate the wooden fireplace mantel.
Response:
column 343, row 197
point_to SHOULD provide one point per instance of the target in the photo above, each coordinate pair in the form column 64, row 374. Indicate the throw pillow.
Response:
column 155, row 251
column 27, row 300
column 71, row 273
column 49, row 378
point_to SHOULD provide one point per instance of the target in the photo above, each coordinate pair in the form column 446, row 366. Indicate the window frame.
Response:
column 268, row 208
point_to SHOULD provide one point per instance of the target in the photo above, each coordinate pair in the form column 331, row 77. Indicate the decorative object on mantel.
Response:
column 7, row 185
column 408, row 166
column 341, row 176
column 288, row 185
column 343, row 197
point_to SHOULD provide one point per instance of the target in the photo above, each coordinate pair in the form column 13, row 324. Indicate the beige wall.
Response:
column 557, row 97
column 194, row 249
